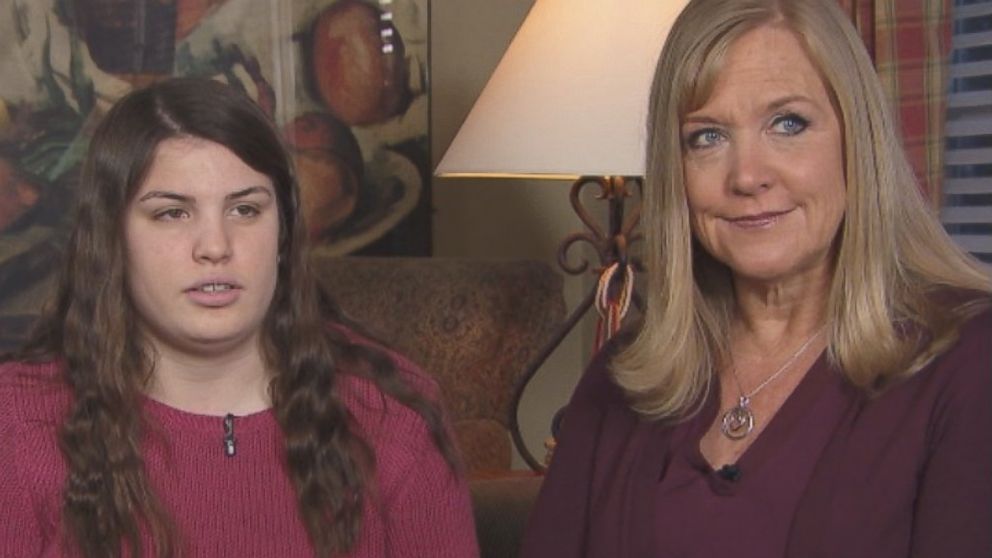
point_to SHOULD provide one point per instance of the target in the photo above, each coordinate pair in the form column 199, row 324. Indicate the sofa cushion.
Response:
column 473, row 324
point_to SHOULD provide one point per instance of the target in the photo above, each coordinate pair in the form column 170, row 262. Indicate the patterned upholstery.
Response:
column 474, row 325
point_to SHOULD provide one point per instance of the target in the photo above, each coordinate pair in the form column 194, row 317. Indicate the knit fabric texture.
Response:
column 241, row 505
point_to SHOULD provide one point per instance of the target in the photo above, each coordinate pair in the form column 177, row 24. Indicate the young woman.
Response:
column 189, row 394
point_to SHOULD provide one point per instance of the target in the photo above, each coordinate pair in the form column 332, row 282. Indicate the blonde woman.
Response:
column 813, row 376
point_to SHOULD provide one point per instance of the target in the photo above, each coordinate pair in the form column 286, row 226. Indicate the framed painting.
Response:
column 345, row 80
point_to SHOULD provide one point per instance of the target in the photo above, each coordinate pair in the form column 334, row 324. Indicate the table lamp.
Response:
column 568, row 101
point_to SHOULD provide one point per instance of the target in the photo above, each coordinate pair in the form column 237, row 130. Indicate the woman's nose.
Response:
column 750, row 172
column 212, row 243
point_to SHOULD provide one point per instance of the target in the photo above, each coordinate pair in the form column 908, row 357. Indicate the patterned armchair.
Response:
column 474, row 325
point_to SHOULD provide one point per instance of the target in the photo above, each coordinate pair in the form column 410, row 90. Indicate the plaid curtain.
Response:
column 910, row 42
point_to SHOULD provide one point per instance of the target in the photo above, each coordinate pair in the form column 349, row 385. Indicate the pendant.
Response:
column 738, row 422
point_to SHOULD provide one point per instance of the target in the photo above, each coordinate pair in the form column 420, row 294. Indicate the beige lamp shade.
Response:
column 569, row 98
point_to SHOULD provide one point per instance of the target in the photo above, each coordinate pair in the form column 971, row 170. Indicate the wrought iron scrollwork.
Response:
column 611, row 245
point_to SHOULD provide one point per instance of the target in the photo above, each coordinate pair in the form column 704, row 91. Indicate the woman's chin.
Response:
column 208, row 341
column 771, row 270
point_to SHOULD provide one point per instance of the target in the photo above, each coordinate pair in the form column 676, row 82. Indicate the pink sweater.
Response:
column 239, row 506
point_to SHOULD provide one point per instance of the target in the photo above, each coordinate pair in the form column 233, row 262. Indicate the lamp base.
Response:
column 613, row 292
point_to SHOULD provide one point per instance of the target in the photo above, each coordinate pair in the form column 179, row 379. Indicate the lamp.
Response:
column 568, row 100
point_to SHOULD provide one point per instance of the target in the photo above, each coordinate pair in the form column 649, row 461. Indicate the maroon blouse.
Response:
column 835, row 473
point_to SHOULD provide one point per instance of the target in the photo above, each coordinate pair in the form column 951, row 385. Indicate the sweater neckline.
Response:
column 167, row 416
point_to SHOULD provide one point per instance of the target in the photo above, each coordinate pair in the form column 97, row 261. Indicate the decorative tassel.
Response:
column 612, row 304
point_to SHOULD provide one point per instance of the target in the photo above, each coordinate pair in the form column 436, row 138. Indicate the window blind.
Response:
column 967, row 208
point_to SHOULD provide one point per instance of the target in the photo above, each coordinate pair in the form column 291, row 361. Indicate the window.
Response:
column 967, row 208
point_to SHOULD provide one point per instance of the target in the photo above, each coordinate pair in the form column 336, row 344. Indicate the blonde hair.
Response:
column 898, row 279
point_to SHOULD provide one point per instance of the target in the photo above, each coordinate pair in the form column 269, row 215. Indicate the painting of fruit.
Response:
column 190, row 12
column 354, row 62
column 344, row 80
column 329, row 168
column 17, row 194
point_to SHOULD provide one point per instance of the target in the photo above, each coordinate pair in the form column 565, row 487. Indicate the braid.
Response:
column 106, row 491
column 325, row 461
column 329, row 465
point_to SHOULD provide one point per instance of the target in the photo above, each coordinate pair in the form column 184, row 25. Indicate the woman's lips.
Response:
column 214, row 294
column 757, row 220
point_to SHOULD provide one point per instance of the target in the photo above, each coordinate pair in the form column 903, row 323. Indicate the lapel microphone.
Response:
column 731, row 473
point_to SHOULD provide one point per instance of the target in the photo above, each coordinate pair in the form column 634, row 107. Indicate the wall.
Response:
column 493, row 218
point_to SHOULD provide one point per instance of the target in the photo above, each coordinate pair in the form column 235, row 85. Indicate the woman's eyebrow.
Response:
column 781, row 102
column 700, row 119
column 249, row 191
column 772, row 106
column 166, row 195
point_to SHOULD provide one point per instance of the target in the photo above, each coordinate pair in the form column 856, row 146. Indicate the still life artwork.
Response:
column 344, row 79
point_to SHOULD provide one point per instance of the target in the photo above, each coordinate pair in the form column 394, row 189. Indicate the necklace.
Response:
column 738, row 422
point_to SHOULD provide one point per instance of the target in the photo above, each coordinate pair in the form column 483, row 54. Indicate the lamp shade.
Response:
column 570, row 95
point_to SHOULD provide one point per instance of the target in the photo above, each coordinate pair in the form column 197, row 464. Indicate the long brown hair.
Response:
column 894, row 258
column 92, row 325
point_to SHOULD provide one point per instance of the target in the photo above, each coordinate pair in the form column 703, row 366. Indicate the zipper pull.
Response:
column 229, row 441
